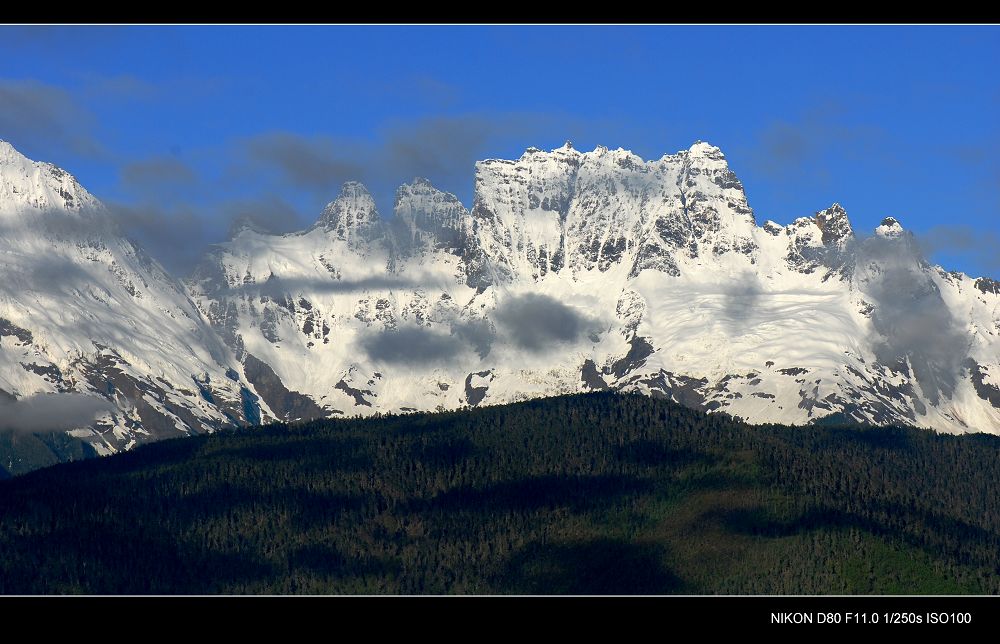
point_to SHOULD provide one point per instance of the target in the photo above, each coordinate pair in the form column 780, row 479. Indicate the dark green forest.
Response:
column 595, row 493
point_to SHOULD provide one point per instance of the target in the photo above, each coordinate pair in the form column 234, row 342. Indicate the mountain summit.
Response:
column 571, row 271
column 86, row 316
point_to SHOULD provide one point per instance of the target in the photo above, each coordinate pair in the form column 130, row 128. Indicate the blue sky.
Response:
column 194, row 126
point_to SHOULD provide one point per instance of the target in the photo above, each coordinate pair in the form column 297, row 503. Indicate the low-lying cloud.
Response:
column 422, row 345
column 443, row 149
column 411, row 345
column 315, row 163
column 157, row 173
column 478, row 334
column 36, row 114
column 793, row 150
column 532, row 322
column 914, row 322
column 278, row 288
column 178, row 235
column 982, row 247
column 51, row 412
column 536, row 322
column 741, row 300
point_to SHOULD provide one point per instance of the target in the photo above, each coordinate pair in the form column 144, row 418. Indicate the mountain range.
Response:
column 573, row 271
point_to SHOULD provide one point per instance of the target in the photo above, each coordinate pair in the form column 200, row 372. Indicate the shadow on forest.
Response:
column 899, row 522
column 538, row 492
column 442, row 452
column 342, row 453
column 653, row 454
column 331, row 562
column 96, row 565
column 892, row 438
column 307, row 509
column 539, row 497
column 599, row 567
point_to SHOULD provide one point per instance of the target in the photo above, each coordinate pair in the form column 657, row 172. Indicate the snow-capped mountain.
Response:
column 83, row 311
column 572, row 271
column 576, row 271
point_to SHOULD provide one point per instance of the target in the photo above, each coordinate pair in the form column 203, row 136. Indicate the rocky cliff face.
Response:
column 84, row 311
column 577, row 270
column 572, row 271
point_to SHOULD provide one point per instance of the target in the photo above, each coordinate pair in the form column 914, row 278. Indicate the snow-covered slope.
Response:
column 572, row 271
column 83, row 310
column 576, row 271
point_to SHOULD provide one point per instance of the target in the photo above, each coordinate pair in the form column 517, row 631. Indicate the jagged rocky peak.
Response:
column 889, row 228
column 566, row 148
column 430, row 215
column 8, row 154
column 341, row 318
column 819, row 242
column 988, row 285
column 835, row 226
column 246, row 223
column 566, row 154
column 773, row 228
column 704, row 150
column 352, row 215
column 27, row 184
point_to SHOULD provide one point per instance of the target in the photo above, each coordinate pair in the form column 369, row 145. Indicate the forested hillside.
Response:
column 594, row 493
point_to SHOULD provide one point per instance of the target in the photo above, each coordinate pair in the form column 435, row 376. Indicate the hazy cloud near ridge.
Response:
column 37, row 114
column 443, row 149
column 792, row 150
column 533, row 322
column 315, row 163
column 741, row 297
column 177, row 237
column 536, row 322
column 279, row 287
column 51, row 412
column 171, row 207
column 155, row 173
column 982, row 245
column 411, row 345
column 179, row 234
column 177, row 230
column 912, row 318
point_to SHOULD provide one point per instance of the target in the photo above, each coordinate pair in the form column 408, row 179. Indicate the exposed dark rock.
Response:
column 639, row 350
column 9, row 329
column 51, row 373
column 105, row 373
column 475, row 395
column 591, row 377
column 987, row 285
column 251, row 406
column 204, row 389
column 684, row 390
column 269, row 326
column 357, row 394
column 288, row 405
column 986, row 391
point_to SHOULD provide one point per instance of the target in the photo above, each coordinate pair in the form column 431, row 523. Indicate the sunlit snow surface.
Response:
column 665, row 250
column 571, row 271
column 94, row 304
